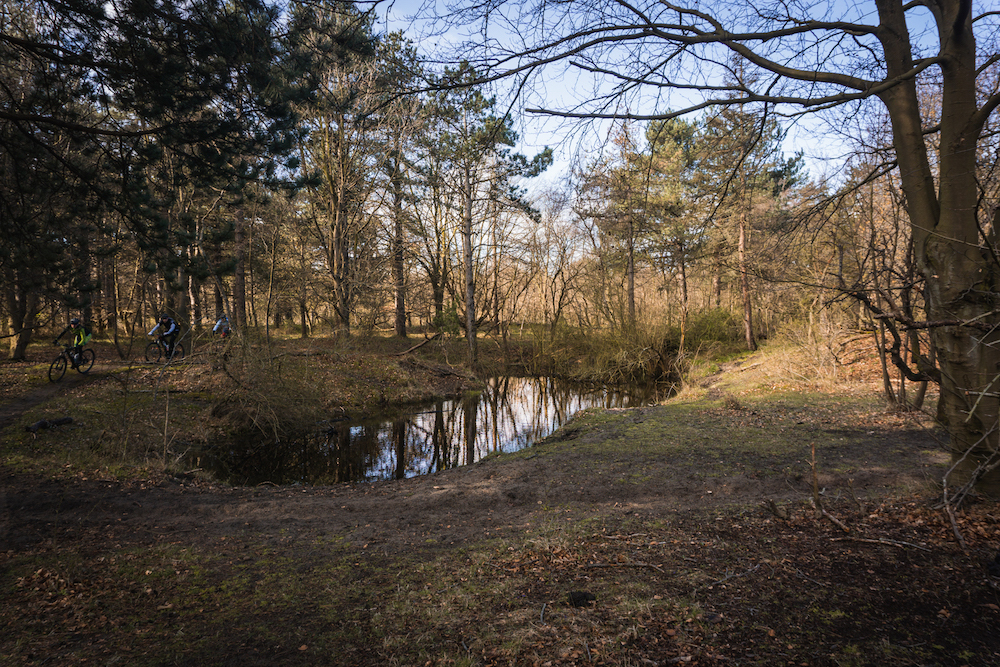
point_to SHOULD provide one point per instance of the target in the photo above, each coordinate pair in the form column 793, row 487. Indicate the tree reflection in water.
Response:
column 508, row 415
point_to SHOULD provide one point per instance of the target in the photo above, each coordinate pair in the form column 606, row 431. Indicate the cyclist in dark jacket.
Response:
column 79, row 334
column 169, row 333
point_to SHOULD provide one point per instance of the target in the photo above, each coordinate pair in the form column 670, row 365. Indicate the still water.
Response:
column 508, row 415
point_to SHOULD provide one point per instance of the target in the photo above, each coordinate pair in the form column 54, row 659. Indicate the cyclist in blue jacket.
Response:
column 222, row 326
column 169, row 333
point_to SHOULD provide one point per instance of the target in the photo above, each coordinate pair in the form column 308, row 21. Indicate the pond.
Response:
column 509, row 414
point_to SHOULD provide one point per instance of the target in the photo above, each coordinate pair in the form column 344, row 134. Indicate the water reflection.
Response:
column 508, row 415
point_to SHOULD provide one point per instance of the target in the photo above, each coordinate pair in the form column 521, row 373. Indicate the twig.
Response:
column 850, row 485
column 655, row 567
column 951, row 515
column 810, row 579
column 817, row 503
column 541, row 619
column 623, row 537
column 881, row 540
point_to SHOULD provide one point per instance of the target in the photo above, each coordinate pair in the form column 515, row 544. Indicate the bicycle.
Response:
column 82, row 362
column 157, row 350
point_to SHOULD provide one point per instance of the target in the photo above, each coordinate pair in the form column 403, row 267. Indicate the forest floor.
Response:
column 681, row 533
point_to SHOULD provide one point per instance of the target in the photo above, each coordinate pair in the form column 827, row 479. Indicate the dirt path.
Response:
column 12, row 410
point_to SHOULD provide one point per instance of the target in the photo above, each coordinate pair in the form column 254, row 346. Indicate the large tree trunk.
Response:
column 470, row 280
column 398, row 267
column 340, row 261
column 22, row 307
column 962, row 277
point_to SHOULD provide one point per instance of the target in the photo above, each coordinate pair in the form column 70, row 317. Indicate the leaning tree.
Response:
column 931, row 65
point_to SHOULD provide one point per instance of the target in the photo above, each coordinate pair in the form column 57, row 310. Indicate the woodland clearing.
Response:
column 691, row 527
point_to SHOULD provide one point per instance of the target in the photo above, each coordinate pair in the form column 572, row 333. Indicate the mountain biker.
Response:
column 222, row 326
column 80, row 335
column 169, row 334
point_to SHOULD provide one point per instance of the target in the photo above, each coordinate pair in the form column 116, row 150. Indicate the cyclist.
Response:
column 222, row 326
column 79, row 334
column 169, row 333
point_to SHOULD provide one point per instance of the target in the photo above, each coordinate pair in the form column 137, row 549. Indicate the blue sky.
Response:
column 824, row 151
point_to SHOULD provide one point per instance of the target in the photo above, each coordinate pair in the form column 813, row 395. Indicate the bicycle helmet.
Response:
column 75, row 322
column 164, row 317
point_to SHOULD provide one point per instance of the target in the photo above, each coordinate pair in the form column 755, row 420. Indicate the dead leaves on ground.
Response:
column 705, row 577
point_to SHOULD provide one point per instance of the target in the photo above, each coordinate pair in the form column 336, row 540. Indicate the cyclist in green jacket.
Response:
column 79, row 334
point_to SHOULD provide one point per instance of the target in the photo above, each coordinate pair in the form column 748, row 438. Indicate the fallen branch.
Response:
column 743, row 369
column 951, row 516
column 650, row 565
column 303, row 353
column 734, row 575
column 894, row 543
column 47, row 423
column 417, row 346
column 832, row 519
column 776, row 510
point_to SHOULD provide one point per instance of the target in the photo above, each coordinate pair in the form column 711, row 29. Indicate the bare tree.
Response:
column 820, row 58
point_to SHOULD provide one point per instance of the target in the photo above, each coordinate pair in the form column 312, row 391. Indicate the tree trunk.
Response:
column 113, row 300
column 631, row 275
column 398, row 267
column 220, row 304
column 23, row 307
column 962, row 280
column 745, row 285
column 684, row 303
column 339, row 251
column 470, row 279
column 716, row 294
column 194, row 298
column 304, row 314
column 239, row 277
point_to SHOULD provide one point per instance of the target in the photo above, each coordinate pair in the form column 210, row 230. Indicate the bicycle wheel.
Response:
column 57, row 369
column 178, row 352
column 86, row 361
column 153, row 352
